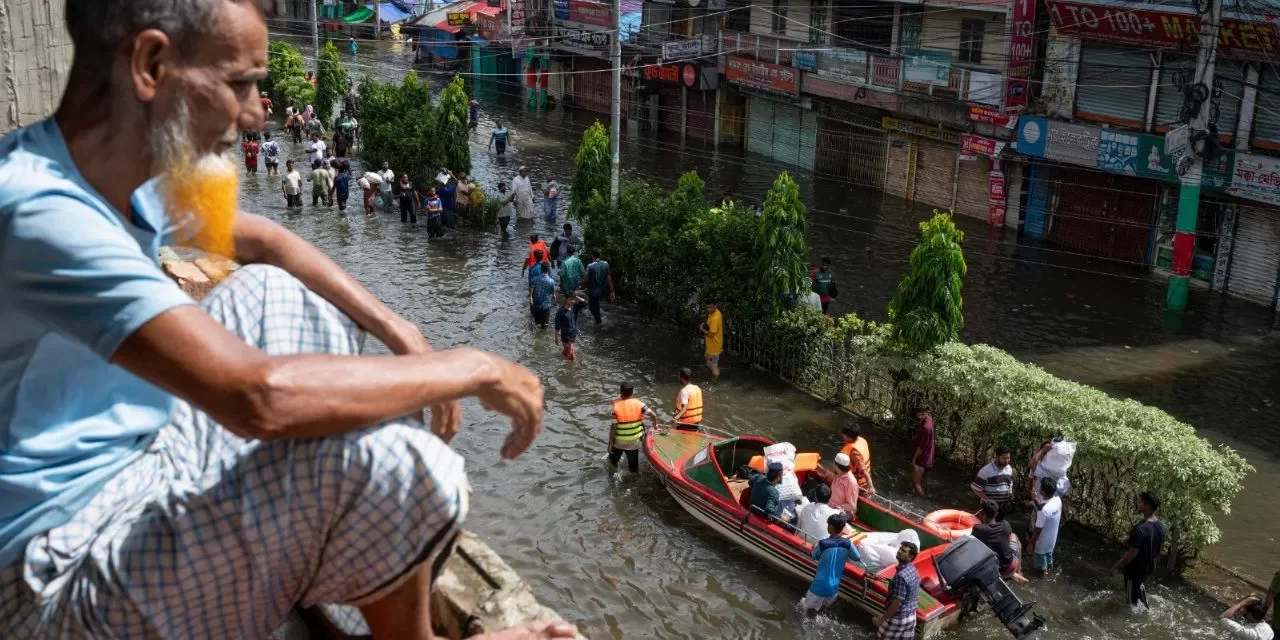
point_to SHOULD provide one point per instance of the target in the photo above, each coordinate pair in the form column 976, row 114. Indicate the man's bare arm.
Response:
column 261, row 241
column 188, row 353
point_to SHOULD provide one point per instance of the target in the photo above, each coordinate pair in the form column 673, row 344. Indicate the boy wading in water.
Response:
column 567, row 323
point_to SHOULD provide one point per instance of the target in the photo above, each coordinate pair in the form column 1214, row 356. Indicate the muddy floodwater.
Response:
column 615, row 554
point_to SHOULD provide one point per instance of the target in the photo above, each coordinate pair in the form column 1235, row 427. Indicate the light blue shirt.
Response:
column 76, row 279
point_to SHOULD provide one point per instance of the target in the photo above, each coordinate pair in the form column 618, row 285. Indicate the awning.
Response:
column 388, row 12
column 479, row 42
column 489, row 11
column 441, row 13
column 363, row 14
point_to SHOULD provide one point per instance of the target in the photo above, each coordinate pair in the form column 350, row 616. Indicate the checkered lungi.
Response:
column 900, row 628
column 209, row 535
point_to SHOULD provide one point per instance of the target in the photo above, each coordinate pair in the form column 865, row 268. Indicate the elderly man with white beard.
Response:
column 174, row 470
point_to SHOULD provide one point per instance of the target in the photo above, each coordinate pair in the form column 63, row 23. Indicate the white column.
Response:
column 1157, row 57
column 1248, row 105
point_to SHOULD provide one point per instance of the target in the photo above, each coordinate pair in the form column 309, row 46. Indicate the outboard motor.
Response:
column 970, row 571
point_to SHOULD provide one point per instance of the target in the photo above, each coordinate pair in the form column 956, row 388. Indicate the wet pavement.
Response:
column 615, row 554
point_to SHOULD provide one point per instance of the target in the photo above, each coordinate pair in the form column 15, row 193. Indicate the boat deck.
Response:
column 673, row 444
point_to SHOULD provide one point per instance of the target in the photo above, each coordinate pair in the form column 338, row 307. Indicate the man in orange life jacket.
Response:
column 688, row 403
column 628, row 427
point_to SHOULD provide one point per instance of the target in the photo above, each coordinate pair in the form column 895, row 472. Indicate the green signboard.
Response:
column 1153, row 162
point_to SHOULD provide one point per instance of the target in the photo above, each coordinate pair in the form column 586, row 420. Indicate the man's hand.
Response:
column 540, row 630
column 517, row 395
column 403, row 338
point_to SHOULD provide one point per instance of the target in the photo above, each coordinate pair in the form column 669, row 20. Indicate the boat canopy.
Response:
column 359, row 16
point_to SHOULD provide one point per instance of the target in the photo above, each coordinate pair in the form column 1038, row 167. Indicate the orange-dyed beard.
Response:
column 200, row 189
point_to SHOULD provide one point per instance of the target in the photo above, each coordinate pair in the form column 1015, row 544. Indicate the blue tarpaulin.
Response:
column 388, row 12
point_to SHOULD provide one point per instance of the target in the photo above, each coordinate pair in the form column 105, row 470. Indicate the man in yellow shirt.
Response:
column 713, row 334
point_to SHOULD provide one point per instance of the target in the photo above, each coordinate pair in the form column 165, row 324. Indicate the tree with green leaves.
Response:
column 286, row 81
column 927, row 309
column 451, row 136
column 780, row 245
column 331, row 82
column 398, row 125
column 592, row 173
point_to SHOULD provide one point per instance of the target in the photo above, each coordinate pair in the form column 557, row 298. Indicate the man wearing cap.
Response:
column 844, row 488
column 522, row 189
column 688, row 403
column 764, row 491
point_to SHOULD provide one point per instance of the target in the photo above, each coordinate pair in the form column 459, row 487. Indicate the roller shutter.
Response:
column 935, row 168
column 1266, row 119
column 760, row 126
column 1255, row 255
column 702, row 115
column 787, row 123
column 783, row 132
column 1178, row 71
column 1114, row 83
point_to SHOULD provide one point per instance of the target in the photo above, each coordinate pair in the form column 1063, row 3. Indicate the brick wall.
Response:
column 35, row 52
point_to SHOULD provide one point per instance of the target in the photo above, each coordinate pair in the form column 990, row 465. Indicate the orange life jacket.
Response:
column 693, row 410
column 629, row 415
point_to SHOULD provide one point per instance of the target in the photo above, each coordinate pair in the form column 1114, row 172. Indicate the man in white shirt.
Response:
column 812, row 518
column 316, row 148
column 291, row 185
column 1254, row 627
column 994, row 482
column 388, row 179
column 1048, row 518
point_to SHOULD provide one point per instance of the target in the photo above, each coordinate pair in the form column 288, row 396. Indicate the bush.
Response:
column 331, row 82
column 781, row 246
column 286, row 81
column 452, row 145
column 397, row 125
column 591, row 177
column 484, row 209
column 927, row 309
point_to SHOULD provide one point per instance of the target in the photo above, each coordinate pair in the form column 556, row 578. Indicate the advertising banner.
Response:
column 1017, row 74
column 762, row 75
column 1140, row 24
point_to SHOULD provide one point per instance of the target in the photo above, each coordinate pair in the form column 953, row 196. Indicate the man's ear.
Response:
column 150, row 59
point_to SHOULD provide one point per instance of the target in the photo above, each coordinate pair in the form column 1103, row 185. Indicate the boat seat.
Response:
column 804, row 462
column 737, row 487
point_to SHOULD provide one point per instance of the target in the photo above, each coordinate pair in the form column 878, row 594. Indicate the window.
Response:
column 971, row 41
column 780, row 16
column 818, row 21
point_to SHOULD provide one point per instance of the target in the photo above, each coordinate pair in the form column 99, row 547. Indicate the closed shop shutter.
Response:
column 702, row 115
column 972, row 192
column 1177, row 73
column 1114, row 83
column 935, row 167
column 1039, row 196
column 835, row 142
column 760, row 126
column 670, row 105
column 808, row 139
column 1266, row 119
column 1102, row 214
column 851, row 144
column 786, row 134
column 1228, row 83
column 592, row 85
column 1255, row 255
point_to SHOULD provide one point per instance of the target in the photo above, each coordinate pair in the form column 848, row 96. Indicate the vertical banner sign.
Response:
column 515, row 26
column 1017, row 75
column 995, row 195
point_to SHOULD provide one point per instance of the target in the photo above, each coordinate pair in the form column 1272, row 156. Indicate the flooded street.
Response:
column 616, row 555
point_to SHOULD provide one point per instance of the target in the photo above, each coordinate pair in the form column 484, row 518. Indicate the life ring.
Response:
column 950, row 524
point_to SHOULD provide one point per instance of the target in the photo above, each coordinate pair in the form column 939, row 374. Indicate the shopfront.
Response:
column 779, row 125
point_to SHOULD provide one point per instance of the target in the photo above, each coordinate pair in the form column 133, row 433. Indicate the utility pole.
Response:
column 1184, row 238
column 615, row 110
column 315, row 30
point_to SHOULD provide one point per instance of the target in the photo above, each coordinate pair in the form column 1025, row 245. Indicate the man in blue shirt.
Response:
column 599, row 282
column 171, row 469
column 831, row 553
column 542, row 288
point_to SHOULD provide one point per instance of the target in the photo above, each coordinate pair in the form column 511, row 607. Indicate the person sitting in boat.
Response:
column 764, row 491
column 831, row 553
column 996, row 532
column 813, row 517
column 859, row 453
column 688, row 403
column 844, row 487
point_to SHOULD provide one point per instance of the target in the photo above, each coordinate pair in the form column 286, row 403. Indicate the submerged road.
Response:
column 616, row 555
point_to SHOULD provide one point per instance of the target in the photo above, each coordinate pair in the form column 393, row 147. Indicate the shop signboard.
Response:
column 1017, row 75
column 989, row 115
column 685, row 74
column 917, row 129
column 926, row 67
column 1062, row 141
column 1118, row 152
column 978, row 144
column 1153, row 160
column 762, row 75
column 1139, row 24
column 677, row 50
column 515, row 18
column 1257, row 178
column 584, row 41
column 459, row 19
column 848, row 66
column 586, row 12
column 805, row 60
column 561, row 9
column 487, row 26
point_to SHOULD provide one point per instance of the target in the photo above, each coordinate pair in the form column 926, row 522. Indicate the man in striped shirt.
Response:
column 994, row 482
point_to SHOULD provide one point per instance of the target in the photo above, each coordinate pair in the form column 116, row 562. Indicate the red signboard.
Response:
column 989, row 115
column 1017, row 75
column 762, row 75
column 596, row 13
column 978, row 144
column 487, row 26
column 1122, row 23
column 671, row 73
